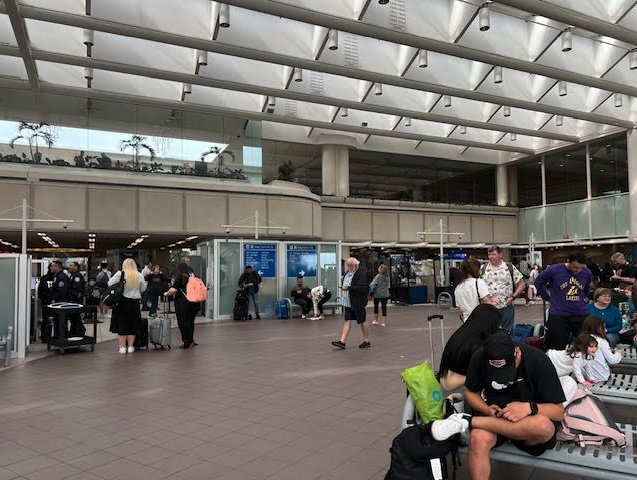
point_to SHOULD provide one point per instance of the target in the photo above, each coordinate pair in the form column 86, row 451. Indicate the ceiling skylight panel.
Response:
column 267, row 32
column 54, row 37
column 144, row 53
column 588, row 56
column 327, row 85
column 184, row 17
column 6, row 31
column 56, row 73
column 508, row 36
column 421, row 127
column 71, row 6
column 12, row 67
column 226, row 98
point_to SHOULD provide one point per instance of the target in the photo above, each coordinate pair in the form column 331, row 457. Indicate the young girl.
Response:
column 576, row 358
column 598, row 369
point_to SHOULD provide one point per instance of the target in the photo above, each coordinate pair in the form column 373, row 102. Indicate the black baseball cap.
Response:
column 499, row 355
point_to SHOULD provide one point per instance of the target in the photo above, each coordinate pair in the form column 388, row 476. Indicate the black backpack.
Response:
column 415, row 455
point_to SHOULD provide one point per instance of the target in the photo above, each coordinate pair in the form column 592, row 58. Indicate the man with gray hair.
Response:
column 354, row 300
column 623, row 272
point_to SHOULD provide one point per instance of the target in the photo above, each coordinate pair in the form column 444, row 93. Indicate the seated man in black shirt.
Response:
column 299, row 294
column 523, row 402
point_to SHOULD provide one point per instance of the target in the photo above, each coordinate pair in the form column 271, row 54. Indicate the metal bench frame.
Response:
column 601, row 462
column 6, row 344
column 332, row 306
column 630, row 358
column 620, row 389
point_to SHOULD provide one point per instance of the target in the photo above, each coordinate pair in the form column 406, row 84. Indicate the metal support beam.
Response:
column 573, row 18
column 315, row 17
column 252, row 115
column 134, row 31
column 275, row 92
column 22, row 37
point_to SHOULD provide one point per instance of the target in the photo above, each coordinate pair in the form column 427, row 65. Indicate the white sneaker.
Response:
column 455, row 423
column 130, row 350
column 303, row 317
column 122, row 349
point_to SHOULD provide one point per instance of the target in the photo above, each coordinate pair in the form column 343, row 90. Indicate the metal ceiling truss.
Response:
column 134, row 31
column 17, row 14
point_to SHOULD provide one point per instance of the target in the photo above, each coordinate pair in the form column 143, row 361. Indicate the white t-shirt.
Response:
column 467, row 295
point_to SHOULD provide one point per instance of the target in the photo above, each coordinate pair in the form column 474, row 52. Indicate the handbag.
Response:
column 627, row 334
column 114, row 293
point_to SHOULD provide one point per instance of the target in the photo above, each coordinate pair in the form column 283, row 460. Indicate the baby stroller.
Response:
column 240, row 311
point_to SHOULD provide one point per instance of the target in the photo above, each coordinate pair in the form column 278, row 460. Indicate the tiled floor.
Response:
column 268, row 399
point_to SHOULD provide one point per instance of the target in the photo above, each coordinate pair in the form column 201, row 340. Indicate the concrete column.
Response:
column 342, row 170
column 632, row 180
column 501, row 185
column 335, row 170
column 328, row 168
column 513, row 185
column 418, row 193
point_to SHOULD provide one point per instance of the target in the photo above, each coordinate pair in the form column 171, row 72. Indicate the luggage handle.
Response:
column 431, row 339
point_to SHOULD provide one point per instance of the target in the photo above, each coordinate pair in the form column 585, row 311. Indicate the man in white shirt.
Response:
column 505, row 284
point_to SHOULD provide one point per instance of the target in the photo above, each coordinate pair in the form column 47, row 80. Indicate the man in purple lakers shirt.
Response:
column 568, row 286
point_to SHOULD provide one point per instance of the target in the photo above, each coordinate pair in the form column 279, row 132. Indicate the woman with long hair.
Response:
column 483, row 321
column 186, row 311
column 127, row 315
column 472, row 290
column 380, row 291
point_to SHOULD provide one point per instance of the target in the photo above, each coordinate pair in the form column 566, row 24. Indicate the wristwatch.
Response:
column 533, row 408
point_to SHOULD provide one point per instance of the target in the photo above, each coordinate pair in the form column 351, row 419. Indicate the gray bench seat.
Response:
column 620, row 389
column 593, row 461
column 333, row 307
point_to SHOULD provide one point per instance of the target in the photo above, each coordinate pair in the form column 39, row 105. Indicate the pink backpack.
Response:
column 196, row 290
column 588, row 422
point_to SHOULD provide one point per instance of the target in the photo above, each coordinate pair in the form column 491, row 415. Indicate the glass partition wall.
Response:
column 560, row 205
column 279, row 264
column 61, row 131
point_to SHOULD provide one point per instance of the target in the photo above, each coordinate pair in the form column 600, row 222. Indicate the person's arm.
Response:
column 485, row 297
column 578, row 369
column 142, row 284
column 476, row 402
column 241, row 280
column 375, row 280
column 541, row 280
column 115, row 278
column 614, row 324
column 611, row 357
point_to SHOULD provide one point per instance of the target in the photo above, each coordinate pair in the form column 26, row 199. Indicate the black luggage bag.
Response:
column 240, row 311
column 141, row 339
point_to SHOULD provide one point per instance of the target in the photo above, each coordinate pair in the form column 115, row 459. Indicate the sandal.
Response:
column 383, row 324
column 375, row 322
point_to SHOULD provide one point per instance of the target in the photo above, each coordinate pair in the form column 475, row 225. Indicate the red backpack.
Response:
column 196, row 290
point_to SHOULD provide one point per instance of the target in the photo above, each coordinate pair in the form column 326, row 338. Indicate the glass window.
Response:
column 609, row 167
column 565, row 176
column 530, row 183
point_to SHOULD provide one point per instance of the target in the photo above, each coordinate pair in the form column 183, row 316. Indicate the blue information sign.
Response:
column 262, row 258
column 302, row 260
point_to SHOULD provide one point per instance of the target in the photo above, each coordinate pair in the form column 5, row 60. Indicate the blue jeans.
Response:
column 153, row 298
column 508, row 318
column 255, row 300
column 613, row 338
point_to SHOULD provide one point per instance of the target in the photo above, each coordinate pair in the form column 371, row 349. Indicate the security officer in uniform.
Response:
column 44, row 294
column 77, row 285
column 59, row 292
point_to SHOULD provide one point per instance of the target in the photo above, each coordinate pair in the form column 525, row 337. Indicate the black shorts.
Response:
column 358, row 315
column 534, row 450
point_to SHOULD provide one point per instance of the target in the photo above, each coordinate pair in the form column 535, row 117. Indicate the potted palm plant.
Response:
column 31, row 132
column 137, row 144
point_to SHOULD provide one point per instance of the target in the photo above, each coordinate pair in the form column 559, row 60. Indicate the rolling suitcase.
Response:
column 431, row 338
column 159, row 330
column 240, row 311
column 141, row 340
column 282, row 311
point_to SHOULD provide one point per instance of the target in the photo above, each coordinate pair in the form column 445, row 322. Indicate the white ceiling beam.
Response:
column 573, row 18
column 135, row 31
column 316, row 17
column 273, row 92
column 249, row 114
column 12, row 9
